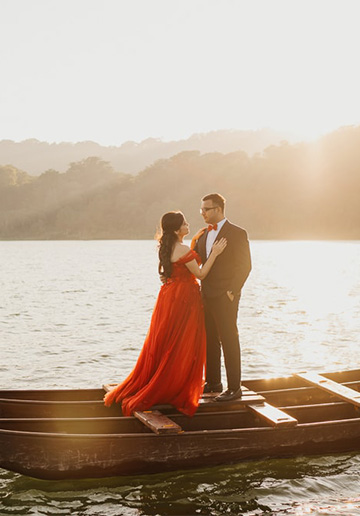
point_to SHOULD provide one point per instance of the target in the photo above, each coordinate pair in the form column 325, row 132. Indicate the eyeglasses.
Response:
column 204, row 210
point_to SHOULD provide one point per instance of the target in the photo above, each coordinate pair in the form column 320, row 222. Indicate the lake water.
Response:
column 75, row 314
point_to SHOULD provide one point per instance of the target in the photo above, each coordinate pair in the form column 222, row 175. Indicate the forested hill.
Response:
column 289, row 191
column 36, row 157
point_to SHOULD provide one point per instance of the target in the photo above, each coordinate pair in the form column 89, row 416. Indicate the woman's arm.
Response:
column 202, row 272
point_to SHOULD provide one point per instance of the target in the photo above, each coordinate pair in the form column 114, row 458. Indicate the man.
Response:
column 221, row 291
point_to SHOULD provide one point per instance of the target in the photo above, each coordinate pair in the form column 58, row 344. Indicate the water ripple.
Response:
column 80, row 322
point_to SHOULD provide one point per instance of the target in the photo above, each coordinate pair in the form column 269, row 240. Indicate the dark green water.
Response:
column 304, row 485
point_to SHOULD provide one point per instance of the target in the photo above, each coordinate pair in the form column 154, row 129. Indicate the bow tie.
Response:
column 212, row 226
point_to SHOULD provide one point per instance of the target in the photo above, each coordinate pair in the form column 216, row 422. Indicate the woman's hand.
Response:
column 196, row 237
column 217, row 249
column 219, row 246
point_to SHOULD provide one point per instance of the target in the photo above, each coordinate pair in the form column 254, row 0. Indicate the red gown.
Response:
column 170, row 368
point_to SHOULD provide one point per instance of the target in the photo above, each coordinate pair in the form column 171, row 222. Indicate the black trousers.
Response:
column 222, row 332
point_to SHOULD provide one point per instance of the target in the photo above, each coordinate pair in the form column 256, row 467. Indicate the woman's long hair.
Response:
column 170, row 222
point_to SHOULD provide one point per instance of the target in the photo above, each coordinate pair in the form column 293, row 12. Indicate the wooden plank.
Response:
column 245, row 393
column 341, row 391
column 272, row 415
column 157, row 422
column 208, row 402
column 248, row 392
column 212, row 406
column 244, row 400
column 161, row 424
column 109, row 386
column 255, row 403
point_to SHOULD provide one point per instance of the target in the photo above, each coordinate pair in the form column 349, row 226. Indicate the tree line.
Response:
column 131, row 157
column 288, row 191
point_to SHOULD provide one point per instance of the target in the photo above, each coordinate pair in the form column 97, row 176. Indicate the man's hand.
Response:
column 230, row 295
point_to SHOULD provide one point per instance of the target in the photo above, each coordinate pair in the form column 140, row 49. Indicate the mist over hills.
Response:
column 288, row 191
column 35, row 157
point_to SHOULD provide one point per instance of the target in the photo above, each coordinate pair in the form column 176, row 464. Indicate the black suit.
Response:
column 229, row 272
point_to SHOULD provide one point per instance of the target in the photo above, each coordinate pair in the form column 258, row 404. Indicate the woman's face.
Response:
column 184, row 229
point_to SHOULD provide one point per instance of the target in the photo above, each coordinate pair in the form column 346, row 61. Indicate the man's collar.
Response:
column 221, row 223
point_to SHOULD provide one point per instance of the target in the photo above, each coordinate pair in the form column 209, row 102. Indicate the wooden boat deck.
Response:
column 71, row 434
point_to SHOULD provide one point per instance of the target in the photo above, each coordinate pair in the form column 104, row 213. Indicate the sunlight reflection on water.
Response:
column 75, row 314
column 83, row 309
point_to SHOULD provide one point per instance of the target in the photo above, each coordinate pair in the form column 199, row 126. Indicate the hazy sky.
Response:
column 118, row 70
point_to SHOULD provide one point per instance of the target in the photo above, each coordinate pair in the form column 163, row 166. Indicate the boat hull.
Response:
column 65, row 456
column 70, row 434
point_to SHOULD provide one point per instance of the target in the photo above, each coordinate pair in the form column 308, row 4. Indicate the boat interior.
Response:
column 82, row 411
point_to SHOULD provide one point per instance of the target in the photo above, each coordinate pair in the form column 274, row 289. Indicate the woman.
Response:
column 171, row 364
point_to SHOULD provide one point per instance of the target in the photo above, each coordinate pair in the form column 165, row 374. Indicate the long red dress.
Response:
column 170, row 368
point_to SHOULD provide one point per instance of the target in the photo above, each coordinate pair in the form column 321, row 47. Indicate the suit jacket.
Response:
column 231, row 267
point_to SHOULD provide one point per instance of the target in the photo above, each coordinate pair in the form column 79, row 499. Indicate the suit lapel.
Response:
column 202, row 246
column 202, row 240
column 223, row 231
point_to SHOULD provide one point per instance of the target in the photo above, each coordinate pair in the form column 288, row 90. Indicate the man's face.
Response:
column 210, row 212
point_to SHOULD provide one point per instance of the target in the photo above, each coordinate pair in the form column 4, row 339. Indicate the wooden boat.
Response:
column 63, row 434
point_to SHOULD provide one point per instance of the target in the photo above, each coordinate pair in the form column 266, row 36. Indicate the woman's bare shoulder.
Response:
column 180, row 250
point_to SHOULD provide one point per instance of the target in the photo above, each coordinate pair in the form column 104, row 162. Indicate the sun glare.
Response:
column 318, row 282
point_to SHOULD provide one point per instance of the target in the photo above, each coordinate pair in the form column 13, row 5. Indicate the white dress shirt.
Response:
column 211, row 236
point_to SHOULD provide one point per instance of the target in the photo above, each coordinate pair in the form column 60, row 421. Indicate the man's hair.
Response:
column 217, row 199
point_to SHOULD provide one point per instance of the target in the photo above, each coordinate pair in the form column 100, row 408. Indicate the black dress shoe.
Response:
column 212, row 387
column 229, row 395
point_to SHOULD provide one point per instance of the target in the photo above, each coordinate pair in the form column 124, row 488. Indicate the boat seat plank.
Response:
column 248, row 392
column 272, row 415
column 248, row 396
column 254, row 402
column 109, row 386
column 245, row 394
column 244, row 400
column 341, row 391
column 157, row 422
column 161, row 424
